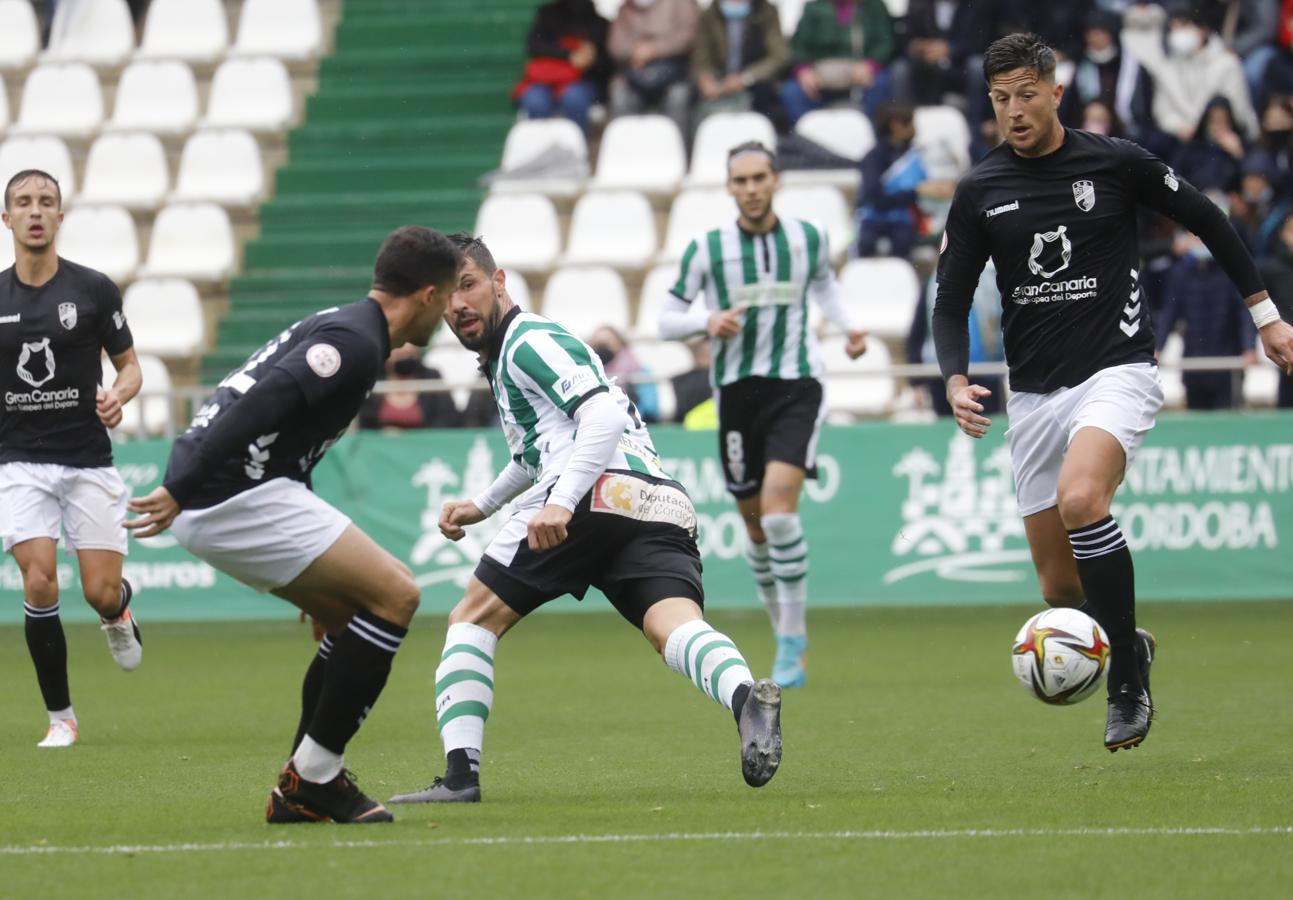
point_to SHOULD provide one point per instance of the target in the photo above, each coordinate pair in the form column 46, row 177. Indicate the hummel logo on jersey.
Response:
column 1170, row 180
column 119, row 320
column 1003, row 208
column 25, row 358
column 67, row 315
column 1084, row 195
column 1132, row 309
column 11, row 320
column 1042, row 245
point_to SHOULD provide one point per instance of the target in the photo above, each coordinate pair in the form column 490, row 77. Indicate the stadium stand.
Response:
column 222, row 166
column 101, row 237
column 40, row 152
column 250, row 93
column 718, row 134
column 160, row 96
column 196, row 31
column 641, row 153
column 62, row 99
column 529, row 142
column 128, row 169
column 693, row 212
column 99, row 33
column 286, row 29
column 191, row 240
column 882, row 294
column 523, row 230
column 165, row 316
column 19, row 34
column 582, row 298
column 613, row 228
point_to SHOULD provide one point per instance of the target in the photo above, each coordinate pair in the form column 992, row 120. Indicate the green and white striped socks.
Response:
column 464, row 686
column 788, row 558
column 756, row 557
column 708, row 658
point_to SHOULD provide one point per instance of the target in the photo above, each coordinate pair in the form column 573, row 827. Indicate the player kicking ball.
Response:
column 56, row 473
column 237, row 495
column 594, row 510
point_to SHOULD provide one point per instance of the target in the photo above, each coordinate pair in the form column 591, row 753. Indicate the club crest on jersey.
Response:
column 1084, row 195
column 40, row 353
column 1051, row 252
column 67, row 315
column 323, row 359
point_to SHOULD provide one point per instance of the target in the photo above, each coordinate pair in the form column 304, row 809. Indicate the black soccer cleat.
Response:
column 440, row 792
column 760, row 727
column 340, row 800
column 1130, row 713
column 1146, row 651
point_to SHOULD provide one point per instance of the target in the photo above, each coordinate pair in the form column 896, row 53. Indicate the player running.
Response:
column 1055, row 209
column 237, row 495
column 594, row 509
column 758, row 274
column 56, row 475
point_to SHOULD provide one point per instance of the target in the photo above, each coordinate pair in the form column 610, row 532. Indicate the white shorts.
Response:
column 1121, row 400
column 43, row 500
column 264, row 537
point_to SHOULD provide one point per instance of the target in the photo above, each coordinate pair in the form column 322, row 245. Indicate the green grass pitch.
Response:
column 915, row 766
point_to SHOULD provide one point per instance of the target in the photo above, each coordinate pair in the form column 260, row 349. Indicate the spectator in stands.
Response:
column 1277, row 142
column 1253, row 39
column 1195, row 68
column 893, row 171
column 568, row 65
column 1211, row 158
column 935, row 65
column 409, row 409
column 1201, row 298
column 1277, row 272
column 619, row 361
column 1277, row 72
column 1252, row 208
column 650, row 43
column 739, row 55
column 1100, row 119
column 841, row 49
column 1104, row 74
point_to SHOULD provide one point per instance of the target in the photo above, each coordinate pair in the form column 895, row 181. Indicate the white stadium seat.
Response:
column 165, row 317
column 822, row 205
column 693, row 213
column 522, row 230
column 458, row 366
column 19, row 34
column 528, row 140
column 191, row 240
column 150, row 412
column 655, row 288
column 61, row 99
column 49, row 154
column 223, row 166
column 641, row 153
column 196, row 31
column 844, row 131
column 583, row 299
column 881, row 295
column 718, row 134
column 6, row 251
column 608, row 8
column 101, row 237
column 158, row 96
column 518, row 289
column 858, row 395
column 664, row 359
column 1170, row 376
column 98, row 32
column 250, row 93
column 128, row 169
column 790, row 11
column 943, row 137
column 287, row 29
column 613, row 228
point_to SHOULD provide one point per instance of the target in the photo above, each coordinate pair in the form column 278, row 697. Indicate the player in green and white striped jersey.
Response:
column 758, row 275
column 593, row 509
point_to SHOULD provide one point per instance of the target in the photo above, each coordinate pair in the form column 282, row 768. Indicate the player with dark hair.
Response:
column 593, row 509
column 757, row 274
column 56, row 473
column 237, row 495
column 1055, row 208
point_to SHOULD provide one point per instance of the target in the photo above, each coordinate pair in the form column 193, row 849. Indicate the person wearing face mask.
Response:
column 1277, row 142
column 1188, row 65
column 1104, row 74
column 650, row 42
column 1210, row 159
column 1253, row 209
column 620, row 362
column 739, row 53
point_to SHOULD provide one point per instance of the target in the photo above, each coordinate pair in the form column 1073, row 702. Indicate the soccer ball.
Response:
column 1060, row 655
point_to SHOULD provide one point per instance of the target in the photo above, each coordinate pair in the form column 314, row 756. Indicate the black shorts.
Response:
column 635, row 563
column 762, row 420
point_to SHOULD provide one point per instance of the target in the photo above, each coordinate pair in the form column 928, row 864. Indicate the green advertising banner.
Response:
column 901, row 515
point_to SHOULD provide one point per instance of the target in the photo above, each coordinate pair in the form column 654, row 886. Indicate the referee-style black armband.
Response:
column 261, row 411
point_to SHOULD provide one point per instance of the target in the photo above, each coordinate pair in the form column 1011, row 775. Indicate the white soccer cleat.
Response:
column 62, row 733
column 123, row 640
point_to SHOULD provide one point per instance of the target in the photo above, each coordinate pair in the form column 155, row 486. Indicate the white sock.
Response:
column 708, row 658
column 464, row 686
column 316, row 763
column 756, row 557
column 788, row 555
column 61, row 715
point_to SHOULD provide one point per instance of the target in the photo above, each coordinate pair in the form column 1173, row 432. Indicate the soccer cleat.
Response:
column 62, row 733
column 440, row 792
column 788, row 668
column 1146, row 650
column 296, row 800
column 124, row 642
column 1130, row 714
column 760, row 727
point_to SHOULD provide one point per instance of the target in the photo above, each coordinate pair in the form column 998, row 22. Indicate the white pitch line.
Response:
column 539, row 840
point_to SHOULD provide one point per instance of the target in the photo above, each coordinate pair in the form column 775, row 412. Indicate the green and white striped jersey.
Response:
column 771, row 276
column 540, row 373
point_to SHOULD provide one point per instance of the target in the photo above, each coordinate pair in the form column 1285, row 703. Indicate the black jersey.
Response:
column 334, row 358
column 1062, row 231
column 52, row 340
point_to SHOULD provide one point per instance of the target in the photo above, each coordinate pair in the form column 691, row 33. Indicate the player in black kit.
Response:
column 237, row 495
column 56, row 474
column 1055, row 209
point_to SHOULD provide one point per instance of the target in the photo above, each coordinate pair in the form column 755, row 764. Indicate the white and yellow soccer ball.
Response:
column 1060, row 655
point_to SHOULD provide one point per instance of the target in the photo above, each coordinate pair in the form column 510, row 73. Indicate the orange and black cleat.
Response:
column 340, row 800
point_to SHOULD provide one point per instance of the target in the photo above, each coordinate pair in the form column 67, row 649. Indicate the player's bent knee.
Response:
column 1081, row 505
column 40, row 589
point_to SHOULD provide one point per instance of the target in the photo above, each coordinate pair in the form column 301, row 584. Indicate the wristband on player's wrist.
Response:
column 1264, row 312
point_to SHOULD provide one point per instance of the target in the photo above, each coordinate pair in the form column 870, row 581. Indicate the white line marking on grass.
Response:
column 539, row 840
